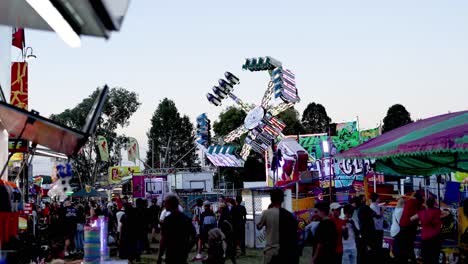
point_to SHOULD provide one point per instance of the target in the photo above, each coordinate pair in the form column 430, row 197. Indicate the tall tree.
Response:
column 397, row 116
column 120, row 105
column 228, row 120
column 293, row 125
column 254, row 167
column 315, row 119
column 172, row 137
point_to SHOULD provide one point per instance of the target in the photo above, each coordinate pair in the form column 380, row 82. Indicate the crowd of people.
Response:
column 220, row 233
column 134, row 225
column 353, row 233
column 348, row 234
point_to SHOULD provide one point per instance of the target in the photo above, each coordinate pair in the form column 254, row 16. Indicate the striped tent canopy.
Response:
column 431, row 146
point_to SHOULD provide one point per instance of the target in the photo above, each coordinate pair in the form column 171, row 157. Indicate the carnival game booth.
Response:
column 30, row 126
column 433, row 146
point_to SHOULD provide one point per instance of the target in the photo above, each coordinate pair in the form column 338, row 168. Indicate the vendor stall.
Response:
column 433, row 146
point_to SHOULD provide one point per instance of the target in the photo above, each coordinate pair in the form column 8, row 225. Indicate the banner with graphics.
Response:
column 19, row 85
column 350, row 126
column 133, row 150
column 370, row 133
column 19, row 98
column 103, row 148
column 346, row 174
column 117, row 173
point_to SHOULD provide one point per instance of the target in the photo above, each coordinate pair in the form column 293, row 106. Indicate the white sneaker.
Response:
column 198, row 257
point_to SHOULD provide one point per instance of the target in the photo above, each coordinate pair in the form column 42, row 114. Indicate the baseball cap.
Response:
column 335, row 206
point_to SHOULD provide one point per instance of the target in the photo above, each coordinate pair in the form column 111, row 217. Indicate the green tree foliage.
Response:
column 120, row 105
column 228, row 120
column 315, row 119
column 293, row 125
column 254, row 168
column 172, row 136
column 397, row 116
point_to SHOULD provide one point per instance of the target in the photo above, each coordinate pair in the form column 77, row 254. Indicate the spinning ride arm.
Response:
column 235, row 134
column 268, row 94
column 280, row 108
column 242, row 105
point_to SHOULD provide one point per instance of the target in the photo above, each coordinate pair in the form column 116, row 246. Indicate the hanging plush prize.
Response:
column 62, row 185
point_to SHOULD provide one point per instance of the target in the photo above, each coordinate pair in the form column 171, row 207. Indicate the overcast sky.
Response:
column 356, row 58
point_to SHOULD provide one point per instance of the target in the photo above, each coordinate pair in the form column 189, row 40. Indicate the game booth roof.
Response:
column 91, row 18
column 435, row 145
column 29, row 125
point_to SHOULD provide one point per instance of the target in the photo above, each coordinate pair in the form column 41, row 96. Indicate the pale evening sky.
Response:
column 356, row 58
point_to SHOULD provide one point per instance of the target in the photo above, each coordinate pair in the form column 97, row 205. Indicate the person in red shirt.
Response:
column 408, row 229
column 340, row 224
column 46, row 213
column 430, row 230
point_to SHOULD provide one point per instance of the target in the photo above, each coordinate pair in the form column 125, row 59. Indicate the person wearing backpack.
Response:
column 208, row 222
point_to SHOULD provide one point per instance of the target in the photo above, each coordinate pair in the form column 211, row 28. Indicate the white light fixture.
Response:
column 56, row 21
column 50, row 154
column 326, row 147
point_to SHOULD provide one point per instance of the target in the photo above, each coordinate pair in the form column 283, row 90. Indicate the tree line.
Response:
column 171, row 137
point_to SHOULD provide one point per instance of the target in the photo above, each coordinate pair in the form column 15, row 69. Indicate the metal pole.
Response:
column 254, row 223
column 152, row 153
column 297, row 197
column 439, row 179
column 375, row 183
column 331, row 181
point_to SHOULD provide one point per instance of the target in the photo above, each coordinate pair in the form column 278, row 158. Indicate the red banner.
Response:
column 18, row 38
column 19, row 85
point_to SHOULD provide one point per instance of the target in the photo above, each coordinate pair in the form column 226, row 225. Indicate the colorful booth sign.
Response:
column 117, row 173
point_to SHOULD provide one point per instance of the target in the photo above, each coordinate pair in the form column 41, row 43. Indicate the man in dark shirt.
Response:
column 177, row 234
column 239, row 217
column 70, row 220
column 325, row 237
column 153, row 212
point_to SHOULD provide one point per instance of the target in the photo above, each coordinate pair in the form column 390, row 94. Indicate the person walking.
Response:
column 340, row 225
column 208, row 222
column 177, row 234
column 81, row 221
column 430, row 231
column 142, row 227
column 226, row 227
column 69, row 225
column 350, row 237
column 324, row 246
column 369, row 246
column 395, row 227
column 281, row 232
column 239, row 218
column 196, row 219
column 378, row 222
column 216, row 247
column 408, row 229
column 129, row 234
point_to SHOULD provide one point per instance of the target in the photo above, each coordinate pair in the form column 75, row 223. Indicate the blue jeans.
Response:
column 349, row 256
column 79, row 237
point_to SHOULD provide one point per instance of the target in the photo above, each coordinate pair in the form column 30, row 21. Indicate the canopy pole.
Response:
column 439, row 179
column 375, row 184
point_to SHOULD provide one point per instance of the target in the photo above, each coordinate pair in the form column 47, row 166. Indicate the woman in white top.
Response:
column 395, row 228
